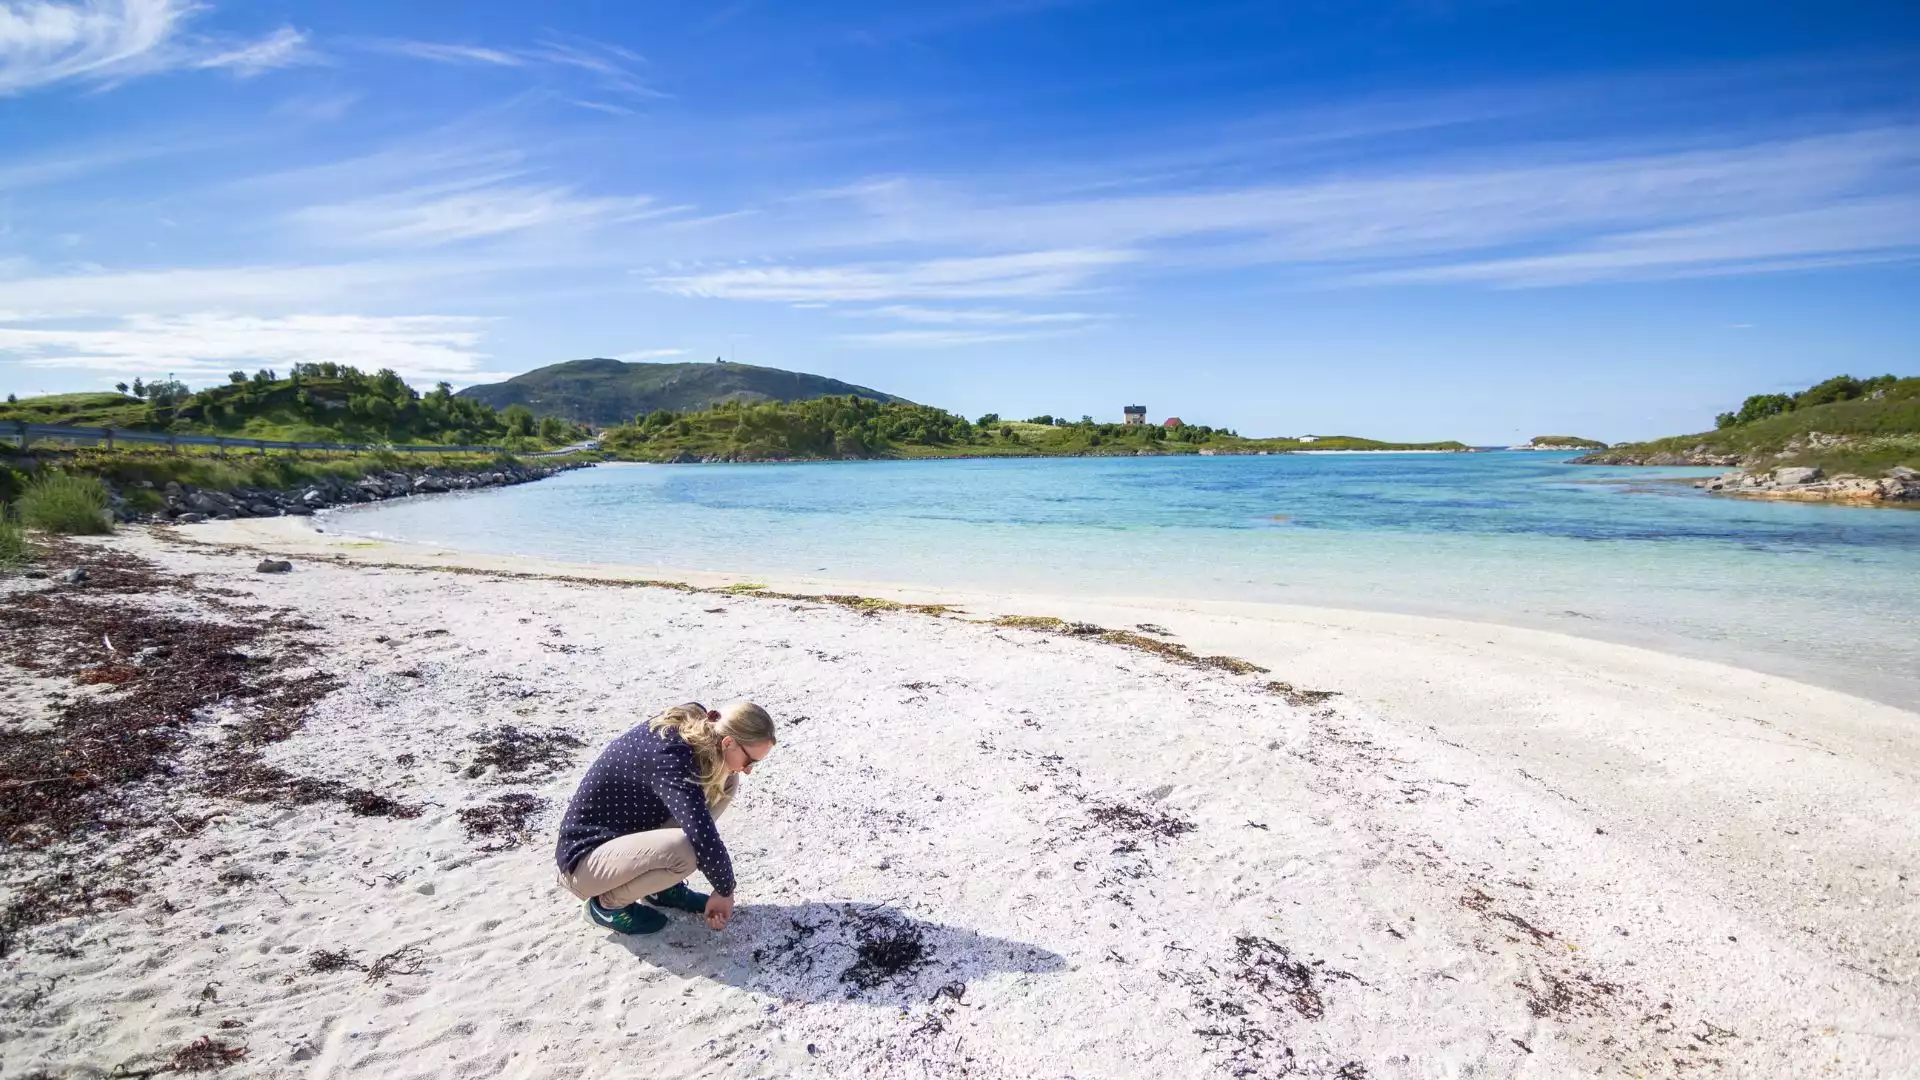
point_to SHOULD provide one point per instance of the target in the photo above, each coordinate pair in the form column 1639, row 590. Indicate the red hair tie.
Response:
column 713, row 714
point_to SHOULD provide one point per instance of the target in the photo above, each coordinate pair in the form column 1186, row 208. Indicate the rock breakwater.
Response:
column 186, row 505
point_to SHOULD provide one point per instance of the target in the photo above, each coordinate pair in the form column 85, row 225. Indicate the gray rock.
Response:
column 273, row 566
column 297, row 510
column 75, row 576
column 1901, row 472
column 261, row 509
column 191, row 517
column 1797, row 475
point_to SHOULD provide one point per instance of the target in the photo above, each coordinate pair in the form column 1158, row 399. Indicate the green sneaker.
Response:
column 681, row 897
column 632, row 919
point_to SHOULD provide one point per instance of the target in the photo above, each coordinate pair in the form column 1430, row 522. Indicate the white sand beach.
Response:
column 1489, row 852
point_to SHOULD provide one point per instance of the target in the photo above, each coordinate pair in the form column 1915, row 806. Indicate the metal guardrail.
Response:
column 107, row 437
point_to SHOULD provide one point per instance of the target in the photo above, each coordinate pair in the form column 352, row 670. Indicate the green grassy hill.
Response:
column 1567, row 442
column 80, row 410
column 1864, row 435
column 856, row 427
column 314, row 403
column 609, row 392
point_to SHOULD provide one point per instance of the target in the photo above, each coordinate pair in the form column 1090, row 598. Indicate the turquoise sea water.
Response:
column 1823, row 593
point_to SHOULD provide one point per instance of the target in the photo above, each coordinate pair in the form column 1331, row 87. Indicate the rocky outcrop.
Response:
column 1900, row 485
column 1700, row 455
column 186, row 505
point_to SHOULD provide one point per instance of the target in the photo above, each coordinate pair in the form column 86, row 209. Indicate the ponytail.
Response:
column 702, row 730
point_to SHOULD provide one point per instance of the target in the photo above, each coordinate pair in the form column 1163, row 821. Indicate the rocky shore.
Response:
column 1777, row 474
column 1695, row 456
column 186, row 505
column 1809, row 484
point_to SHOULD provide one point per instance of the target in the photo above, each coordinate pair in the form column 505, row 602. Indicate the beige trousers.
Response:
column 628, row 868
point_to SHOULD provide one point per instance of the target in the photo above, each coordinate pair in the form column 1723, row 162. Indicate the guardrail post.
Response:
column 262, row 444
column 106, row 436
column 220, row 444
column 21, row 427
column 173, row 444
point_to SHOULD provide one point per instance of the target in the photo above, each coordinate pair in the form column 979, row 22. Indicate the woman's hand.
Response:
column 719, row 910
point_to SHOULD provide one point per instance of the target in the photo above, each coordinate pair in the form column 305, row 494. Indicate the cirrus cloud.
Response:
column 44, row 42
column 422, row 347
column 1033, row 273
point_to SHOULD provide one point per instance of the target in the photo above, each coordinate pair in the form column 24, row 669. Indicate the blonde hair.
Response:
column 746, row 722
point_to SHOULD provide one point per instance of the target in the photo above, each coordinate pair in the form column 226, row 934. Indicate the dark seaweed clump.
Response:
column 505, row 822
column 887, row 948
column 523, row 753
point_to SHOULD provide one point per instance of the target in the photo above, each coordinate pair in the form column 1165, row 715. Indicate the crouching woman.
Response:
column 642, row 820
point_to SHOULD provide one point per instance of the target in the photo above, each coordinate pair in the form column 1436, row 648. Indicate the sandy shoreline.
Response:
column 1496, row 850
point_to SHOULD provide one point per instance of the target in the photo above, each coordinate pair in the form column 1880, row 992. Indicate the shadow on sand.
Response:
column 836, row 952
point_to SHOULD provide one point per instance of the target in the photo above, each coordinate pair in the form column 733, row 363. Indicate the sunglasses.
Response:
column 748, row 754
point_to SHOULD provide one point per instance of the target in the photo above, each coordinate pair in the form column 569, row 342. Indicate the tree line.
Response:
column 341, row 398
column 1838, row 388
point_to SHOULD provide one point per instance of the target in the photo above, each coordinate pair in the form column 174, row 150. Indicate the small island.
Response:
column 1560, row 442
column 1843, row 440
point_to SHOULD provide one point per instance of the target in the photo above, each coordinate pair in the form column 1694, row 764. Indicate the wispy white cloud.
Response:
column 1851, row 232
column 284, row 47
column 611, row 68
column 976, row 316
column 601, row 106
column 1555, row 214
column 445, row 53
column 1036, row 273
column 937, row 339
column 44, row 42
column 247, row 288
column 426, row 347
column 470, row 209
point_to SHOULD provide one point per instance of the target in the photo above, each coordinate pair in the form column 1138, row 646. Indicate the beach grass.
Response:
column 15, row 552
column 68, row 503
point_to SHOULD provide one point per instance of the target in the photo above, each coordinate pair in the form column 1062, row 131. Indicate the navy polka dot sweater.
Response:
column 644, row 780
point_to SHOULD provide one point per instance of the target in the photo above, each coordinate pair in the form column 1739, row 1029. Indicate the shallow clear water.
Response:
column 1822, row 593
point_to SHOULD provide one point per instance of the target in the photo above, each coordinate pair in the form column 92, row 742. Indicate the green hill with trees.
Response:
column 608, row 392
column 313, row 403
column 1842, row 425
column 854, row 427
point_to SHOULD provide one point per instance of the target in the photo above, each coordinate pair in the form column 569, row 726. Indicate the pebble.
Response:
column 75, row 576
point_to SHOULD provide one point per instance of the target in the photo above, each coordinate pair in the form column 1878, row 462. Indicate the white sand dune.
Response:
column 1496, row 853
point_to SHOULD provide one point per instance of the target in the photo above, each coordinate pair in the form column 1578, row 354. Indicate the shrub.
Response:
column 60, row 502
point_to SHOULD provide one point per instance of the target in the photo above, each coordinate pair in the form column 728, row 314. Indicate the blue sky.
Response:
column 1477, row 220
